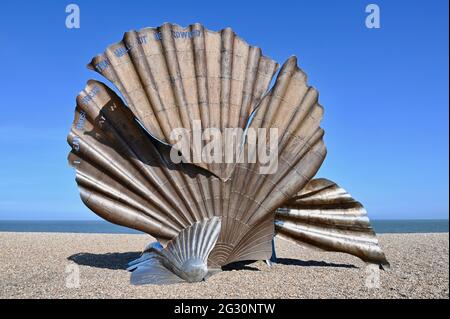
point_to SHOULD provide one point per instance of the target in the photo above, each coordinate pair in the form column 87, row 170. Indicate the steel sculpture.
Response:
column 204, row 210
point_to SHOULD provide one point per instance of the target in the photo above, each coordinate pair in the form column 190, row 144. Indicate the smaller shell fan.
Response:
column 184, row 259
column 323, row 215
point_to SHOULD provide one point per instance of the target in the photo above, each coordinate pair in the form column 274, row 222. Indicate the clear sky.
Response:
column 385, row 92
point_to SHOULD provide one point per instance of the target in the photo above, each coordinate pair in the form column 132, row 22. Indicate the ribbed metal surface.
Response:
column 323, row 215
column 126, row 178
column 129, row 180
column 188, row 253
column 152, row 271
column 171, row 76
column 184, row 259
column 250, row 198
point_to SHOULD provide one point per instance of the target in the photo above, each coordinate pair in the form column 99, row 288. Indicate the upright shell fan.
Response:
column 206, row 213
column 174, row 78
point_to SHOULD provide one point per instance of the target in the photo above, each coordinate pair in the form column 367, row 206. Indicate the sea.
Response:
column 104, row 227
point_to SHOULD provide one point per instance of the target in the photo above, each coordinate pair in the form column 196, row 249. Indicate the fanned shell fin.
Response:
column 325, row 216
column 146, row 255
column 257, row 189
column 184, row 258
column 122, row 173
column 152, row 271
column 188, row 253
column 172, row 76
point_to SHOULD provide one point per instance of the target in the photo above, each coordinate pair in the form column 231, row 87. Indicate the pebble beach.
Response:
column 69, row 265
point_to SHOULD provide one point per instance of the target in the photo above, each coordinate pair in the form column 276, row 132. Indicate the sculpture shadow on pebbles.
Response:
column 114, row 261
column 311, row 263
column 119, row 261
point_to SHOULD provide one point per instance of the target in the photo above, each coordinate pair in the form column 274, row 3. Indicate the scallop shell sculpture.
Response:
column 208, row 213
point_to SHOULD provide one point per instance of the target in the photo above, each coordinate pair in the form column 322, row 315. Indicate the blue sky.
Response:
column 385, row 92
